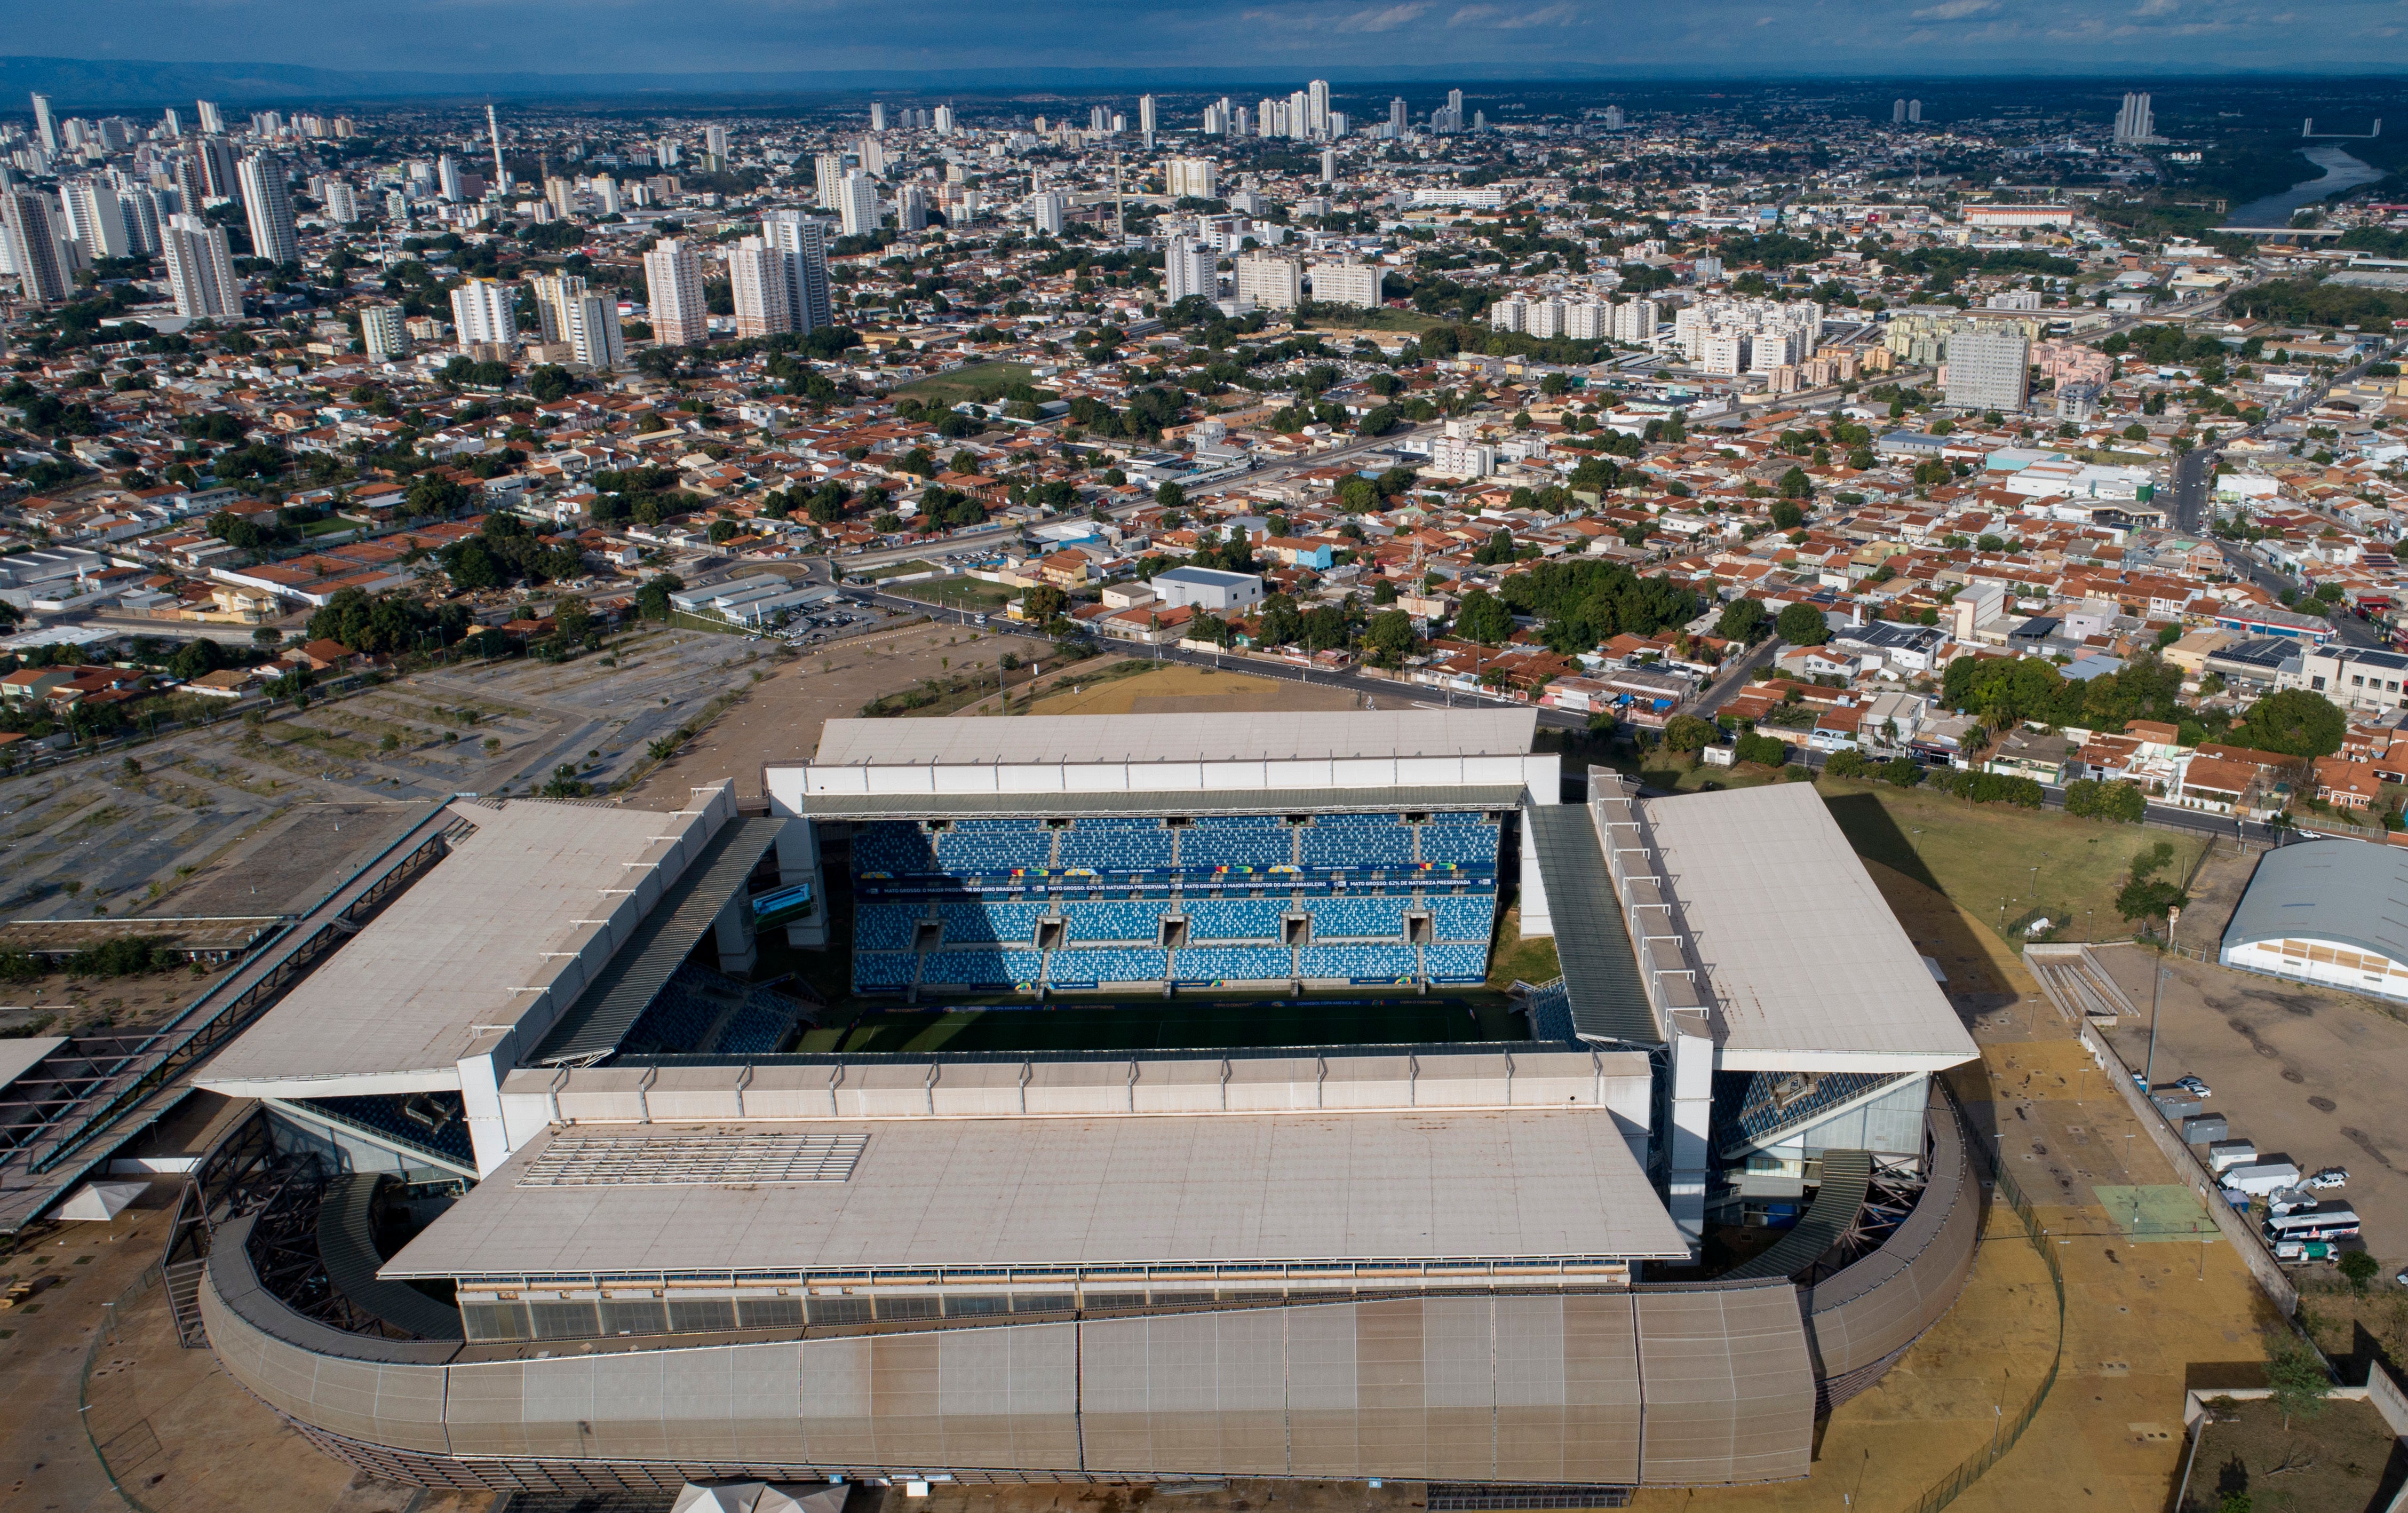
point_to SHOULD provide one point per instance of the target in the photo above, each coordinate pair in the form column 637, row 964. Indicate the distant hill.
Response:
column 81, row 84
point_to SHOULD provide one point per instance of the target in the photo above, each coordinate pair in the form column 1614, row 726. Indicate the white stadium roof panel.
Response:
column 1177, row 738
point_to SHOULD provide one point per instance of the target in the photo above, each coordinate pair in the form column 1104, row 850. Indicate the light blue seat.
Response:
column 1329, row 844
column 1459, row 843
column 897, row 846
column 1358, row 917
column 975, row 967
column 1108, row 964
column 989, row 846
column 1460, row 962
column 882, row 972
column 1110, row 920
column 1471, row 917
column 990, row 920
column 1344, row 961
column 884, row 926
column 1232, row 963
column 1228, row 919
column 1116, row 845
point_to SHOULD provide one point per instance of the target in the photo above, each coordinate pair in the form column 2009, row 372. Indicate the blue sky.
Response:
column 1303, row 37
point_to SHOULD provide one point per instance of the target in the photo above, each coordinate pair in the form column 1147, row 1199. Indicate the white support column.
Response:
column 1536, row 917
column 1693, row 1098
column 798, row 862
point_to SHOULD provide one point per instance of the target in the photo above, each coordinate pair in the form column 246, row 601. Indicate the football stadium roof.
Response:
column 1809, row 969
column 965, row 1192
column 1177, row 738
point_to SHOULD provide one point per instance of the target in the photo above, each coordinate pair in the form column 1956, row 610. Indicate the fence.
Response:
column 2008, row 1430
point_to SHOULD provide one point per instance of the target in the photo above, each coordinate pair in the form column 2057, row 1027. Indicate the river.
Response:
column 2341, row 171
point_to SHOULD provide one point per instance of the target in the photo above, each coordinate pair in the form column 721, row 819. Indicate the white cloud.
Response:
column 1385, row 18
column 1954, row 10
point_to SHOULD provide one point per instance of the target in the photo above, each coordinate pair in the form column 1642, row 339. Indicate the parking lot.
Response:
column 2310, row 1075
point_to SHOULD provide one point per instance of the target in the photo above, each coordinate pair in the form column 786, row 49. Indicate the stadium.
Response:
column 1155, row 1118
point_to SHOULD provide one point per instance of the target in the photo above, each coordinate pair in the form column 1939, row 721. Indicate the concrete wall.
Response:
column 1539, row 775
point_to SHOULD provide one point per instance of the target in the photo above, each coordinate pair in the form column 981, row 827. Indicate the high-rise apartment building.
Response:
column 594, row 333
column 1268, row 280
column 45, row 127
column 873, row 155
column 2135, row 123
column 1299, row 114
column 911, row 208
column 221, row 176
column 145, row 213
column 484, row 312
column 857, row 205
column 552, row 292
column 877, row 115
column 714, row 141
column 94, row 220
column 268, row 204
column 673, row 281
column 763, row 290
column 212, row 123
column 342, row 203
column 1396, row 116
column 447, row 180
column 1048, row 208
column 1614, row 121
column 1189, row 268
column 200, row 270
column 1145, row 115
column 1635, row 321
column 944, row 121
column 1989, row 371
column 1330, row 164
column 1898, row 111
column 44, row 274
column 828, row 171
column 1316, row 107
column 1191, row 178
column 383, row 334
column 1348, row 283
column 1914, row 112
column 802, row 239
column 171, row 122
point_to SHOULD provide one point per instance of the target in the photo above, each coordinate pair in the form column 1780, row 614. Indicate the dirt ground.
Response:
column 1178, row 688
column 2343, row 1459
column 2311, row 1074
column 779, row 717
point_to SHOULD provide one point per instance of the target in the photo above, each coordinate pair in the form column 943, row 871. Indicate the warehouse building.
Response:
column 2325, row 913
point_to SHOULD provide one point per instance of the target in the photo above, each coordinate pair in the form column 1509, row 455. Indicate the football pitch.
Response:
column 1176, row 1024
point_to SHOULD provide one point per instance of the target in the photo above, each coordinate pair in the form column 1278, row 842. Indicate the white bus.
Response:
column 2328, row 1224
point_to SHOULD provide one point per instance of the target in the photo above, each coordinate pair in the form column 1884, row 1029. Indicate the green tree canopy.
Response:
column 2296, row 721
column 1802, row 625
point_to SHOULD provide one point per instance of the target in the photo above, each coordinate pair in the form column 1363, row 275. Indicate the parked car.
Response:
column 2196, row 1087
column 2331, row 1176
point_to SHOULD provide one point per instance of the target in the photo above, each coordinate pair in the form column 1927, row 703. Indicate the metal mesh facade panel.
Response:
column 1730, row 1387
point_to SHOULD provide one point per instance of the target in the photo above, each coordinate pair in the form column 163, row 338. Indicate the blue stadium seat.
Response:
column 980, row 968
column 1459, row 843
column 1227, row 919
column 1116, row 845
column 1222, row 843
column 988, row 845
column 1364, row 821
column 1471, row 917
column 1461, row 962
column 1232, row 963
column 1355, row 961
column 882, row 972
column 1332, row 845
column 1358, row 917
column 1108, row 964
column 1458, row 819
column 1106, row 920
column 884, row 926
column 979, row 922
column 896, row 847
column 754, row 1032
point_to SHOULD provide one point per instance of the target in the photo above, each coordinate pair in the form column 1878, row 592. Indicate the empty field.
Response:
column 980, row 382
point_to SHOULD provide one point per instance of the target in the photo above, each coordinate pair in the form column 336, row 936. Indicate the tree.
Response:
column 653, row 599
column 2358, row 1267
column 1901, row 771
column 1170, row 496
column 572, row 616
column 2296, row 721
column 197, row 658
column 1483, row 617
column 1770, row 751
column 1802, row 625
column 1687, row 732
column 1044, row 603
column 1390, row 637
column 2298, row 1376
column 1743, row 620
column 550, row 382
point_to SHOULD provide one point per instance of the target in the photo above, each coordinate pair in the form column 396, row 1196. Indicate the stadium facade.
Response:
column 537, row 1196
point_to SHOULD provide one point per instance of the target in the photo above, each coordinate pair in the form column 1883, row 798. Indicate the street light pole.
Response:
column 2157, row 999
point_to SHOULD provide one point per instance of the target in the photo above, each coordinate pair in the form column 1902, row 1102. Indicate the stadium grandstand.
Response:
column 603, row 1201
